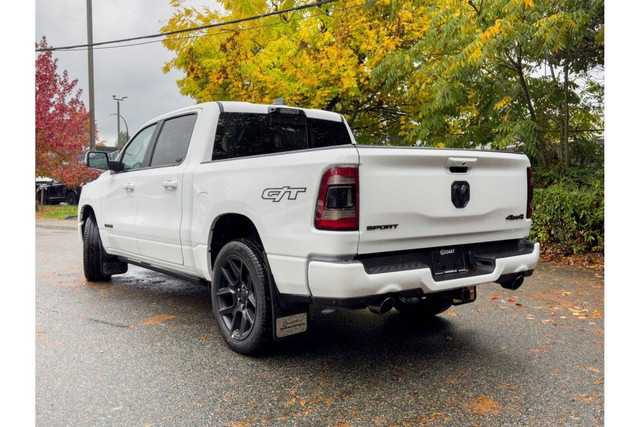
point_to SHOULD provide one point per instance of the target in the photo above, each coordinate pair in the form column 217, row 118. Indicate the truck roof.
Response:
column 248, row 107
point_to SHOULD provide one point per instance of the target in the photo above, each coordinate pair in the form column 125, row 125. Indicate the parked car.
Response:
column 278, row 208
column 51, row 192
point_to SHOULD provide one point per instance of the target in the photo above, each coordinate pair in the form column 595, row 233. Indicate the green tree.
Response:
column 123, row 138
column 504, row 73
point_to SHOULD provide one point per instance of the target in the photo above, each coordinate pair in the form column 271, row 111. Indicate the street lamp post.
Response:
column 118, row 113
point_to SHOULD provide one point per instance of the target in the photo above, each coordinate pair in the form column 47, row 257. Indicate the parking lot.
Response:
column 144, row 350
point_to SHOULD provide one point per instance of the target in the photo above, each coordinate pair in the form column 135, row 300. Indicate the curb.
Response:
column 56, row 224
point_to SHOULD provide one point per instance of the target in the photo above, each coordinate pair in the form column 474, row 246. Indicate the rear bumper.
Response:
column 330, row 282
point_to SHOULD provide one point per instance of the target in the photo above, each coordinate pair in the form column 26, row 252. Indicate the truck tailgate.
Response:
column 407, row 198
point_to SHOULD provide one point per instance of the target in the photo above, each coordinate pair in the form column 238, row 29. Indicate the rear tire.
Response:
column 425, row 306
column 240, row 297
column 93, row 254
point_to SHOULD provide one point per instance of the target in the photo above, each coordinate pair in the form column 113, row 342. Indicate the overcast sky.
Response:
column 134, row 71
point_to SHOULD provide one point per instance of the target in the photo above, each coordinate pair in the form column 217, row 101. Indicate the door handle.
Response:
column 170, row 184
column 129, row 187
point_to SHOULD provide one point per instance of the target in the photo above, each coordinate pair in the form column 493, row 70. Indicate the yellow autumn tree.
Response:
column 321, row 57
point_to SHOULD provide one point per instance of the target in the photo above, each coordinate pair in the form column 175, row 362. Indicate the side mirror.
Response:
column 99, row 160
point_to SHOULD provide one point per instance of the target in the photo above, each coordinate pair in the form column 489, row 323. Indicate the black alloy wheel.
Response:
column 240, row 296
column 236, row 298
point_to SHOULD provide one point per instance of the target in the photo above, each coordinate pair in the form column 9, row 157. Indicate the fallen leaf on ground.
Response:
column 495, row 297
column 511, row 300
column 451, row 313
column 485, row 405
column 519, row 305
column 156, row 319
column 592, row 369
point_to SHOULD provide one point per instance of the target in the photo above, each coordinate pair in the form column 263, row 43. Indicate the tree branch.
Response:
column 478, row 11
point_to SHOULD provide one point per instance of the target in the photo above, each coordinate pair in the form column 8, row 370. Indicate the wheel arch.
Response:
column 85, row 212
column 227, row 227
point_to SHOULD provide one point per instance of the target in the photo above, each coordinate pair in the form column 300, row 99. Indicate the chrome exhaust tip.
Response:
column 385, row 306
column 514, row 283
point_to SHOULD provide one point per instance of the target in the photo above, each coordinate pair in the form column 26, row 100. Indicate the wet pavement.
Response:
column 144, row 349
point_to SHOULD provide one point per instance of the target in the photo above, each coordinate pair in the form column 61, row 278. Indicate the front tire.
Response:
column 240, row 296
column 425, row 306
column 92, row 253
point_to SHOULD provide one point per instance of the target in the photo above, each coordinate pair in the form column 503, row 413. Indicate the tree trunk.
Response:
column 523, row 82
column 565, row 135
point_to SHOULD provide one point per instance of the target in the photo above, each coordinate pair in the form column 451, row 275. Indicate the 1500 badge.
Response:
column 277, row 194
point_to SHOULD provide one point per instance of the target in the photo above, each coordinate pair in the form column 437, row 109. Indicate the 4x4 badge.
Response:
column 514, row 217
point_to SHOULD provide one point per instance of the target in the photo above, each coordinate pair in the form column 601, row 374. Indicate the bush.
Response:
column 569, row 219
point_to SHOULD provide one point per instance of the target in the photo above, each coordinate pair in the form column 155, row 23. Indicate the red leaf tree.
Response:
column 62, row 123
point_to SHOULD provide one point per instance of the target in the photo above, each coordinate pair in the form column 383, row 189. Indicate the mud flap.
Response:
column 288, row 319
column 114, row 266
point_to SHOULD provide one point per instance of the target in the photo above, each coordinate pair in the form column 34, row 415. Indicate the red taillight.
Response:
column 529, row 192
column 337, row 204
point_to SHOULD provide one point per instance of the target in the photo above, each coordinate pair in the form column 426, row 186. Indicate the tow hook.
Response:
column 384, row 307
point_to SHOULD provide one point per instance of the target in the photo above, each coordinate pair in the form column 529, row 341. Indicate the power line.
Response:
column 223, row 31
column 186, row 30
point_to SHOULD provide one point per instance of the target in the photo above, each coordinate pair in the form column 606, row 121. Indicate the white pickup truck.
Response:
column 277, row 207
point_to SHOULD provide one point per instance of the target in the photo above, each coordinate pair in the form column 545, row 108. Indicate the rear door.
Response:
column 412, row 198
column 159, row 192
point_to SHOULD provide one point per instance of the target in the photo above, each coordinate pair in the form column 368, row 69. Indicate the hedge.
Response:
column 569, row 220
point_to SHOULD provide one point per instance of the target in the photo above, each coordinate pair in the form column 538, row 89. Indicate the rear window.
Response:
column 247, row 134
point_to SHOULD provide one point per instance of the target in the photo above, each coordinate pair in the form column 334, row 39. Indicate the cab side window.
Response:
column 133, row 156
column 173, row 141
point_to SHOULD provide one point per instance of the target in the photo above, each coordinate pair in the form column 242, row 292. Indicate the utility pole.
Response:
column 92, row 112
column 118, row 114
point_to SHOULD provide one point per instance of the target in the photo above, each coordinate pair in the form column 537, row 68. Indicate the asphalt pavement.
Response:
column 144, row 350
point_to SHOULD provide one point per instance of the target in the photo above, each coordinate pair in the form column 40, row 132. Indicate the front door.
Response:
column 119, row 193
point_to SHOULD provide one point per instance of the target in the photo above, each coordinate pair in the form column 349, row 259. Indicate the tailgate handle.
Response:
column 460, row 164
column 458, row 169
